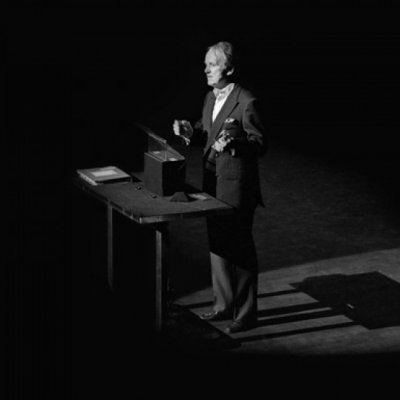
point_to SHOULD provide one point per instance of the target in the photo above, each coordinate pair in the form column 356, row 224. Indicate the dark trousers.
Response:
column 234, row 268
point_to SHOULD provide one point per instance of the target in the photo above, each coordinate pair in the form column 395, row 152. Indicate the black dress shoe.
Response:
column 216, row 316
column 240, row 325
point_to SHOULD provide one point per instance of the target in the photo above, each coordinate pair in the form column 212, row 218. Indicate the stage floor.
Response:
column 340, row 306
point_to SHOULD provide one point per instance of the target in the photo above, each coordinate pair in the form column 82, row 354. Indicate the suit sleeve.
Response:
column 254, row 143
column 199, row 137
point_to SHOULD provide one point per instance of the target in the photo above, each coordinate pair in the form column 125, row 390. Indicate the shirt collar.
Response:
column 222, row 93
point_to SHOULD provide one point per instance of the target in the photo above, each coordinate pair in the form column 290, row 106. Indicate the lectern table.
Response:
column 135, row 202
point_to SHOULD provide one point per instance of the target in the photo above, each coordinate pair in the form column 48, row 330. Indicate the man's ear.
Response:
column 230, row 72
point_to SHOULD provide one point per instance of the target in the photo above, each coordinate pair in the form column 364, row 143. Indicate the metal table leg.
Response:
column 110, row 256
column 159, row 279
column 161, row 274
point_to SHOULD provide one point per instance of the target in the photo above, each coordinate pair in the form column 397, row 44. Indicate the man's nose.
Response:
column 206, row 70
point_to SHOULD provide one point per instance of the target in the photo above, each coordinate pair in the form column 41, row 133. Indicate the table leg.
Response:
column 161, row 274
column 159, row 279
column 110, row 256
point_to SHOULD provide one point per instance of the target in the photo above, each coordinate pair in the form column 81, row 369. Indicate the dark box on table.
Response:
column 164, row 172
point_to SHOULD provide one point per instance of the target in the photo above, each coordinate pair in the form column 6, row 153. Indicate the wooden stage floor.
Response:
column 342, row 306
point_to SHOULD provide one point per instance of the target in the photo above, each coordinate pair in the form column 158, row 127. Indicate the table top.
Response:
column 134, row 201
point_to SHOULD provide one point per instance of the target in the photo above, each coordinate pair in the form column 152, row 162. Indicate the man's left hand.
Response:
column 220, row 144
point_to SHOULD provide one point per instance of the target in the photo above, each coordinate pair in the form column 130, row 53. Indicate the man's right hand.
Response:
column 183, row 129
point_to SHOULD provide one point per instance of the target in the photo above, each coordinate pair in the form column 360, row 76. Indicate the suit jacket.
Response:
column 236, row 169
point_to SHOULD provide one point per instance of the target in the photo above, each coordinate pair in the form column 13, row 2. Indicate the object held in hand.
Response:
column 183, row 129
column 222, row 141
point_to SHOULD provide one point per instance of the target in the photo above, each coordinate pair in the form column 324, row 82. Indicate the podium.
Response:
column 145, row 201
column 164, row 167
column 131, row 201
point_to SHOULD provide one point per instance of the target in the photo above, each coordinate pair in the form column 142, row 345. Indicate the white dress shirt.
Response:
column 220, row 97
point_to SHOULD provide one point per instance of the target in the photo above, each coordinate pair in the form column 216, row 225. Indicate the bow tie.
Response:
column 220, row 93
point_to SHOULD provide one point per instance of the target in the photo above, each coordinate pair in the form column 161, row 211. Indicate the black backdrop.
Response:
column 79, row 76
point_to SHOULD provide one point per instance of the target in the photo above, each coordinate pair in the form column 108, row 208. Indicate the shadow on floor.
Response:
column 370, row 299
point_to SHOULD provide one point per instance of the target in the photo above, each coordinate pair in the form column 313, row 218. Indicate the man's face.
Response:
column 215, row 70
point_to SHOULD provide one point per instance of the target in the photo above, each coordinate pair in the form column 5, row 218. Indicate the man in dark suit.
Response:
column 234, row 138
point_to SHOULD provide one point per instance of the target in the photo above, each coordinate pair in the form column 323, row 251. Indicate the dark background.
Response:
column 79, row 75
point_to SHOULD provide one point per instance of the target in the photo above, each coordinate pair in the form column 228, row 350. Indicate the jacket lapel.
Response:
column 207, row 113
column 226, row 110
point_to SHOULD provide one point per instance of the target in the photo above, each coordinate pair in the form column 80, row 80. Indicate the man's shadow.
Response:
column 369, row 299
